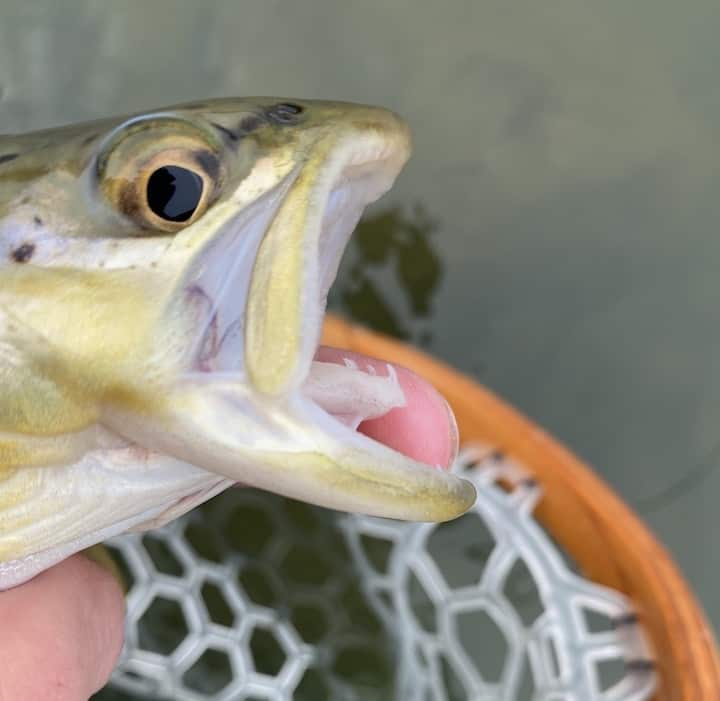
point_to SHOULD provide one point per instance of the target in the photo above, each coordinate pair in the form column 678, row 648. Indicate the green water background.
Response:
column 556, row 233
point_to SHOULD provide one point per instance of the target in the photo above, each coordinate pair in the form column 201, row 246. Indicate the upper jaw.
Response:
column 299, row 255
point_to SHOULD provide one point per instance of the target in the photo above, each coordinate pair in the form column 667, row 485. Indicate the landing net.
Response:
column 257, row 597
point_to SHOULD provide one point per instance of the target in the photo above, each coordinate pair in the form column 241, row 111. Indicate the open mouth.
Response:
column 363, row 434
column 386, row 403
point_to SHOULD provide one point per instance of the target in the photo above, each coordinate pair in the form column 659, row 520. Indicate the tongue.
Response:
column 424, row 429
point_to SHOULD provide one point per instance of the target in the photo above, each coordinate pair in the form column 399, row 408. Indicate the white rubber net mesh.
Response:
column 257, row 597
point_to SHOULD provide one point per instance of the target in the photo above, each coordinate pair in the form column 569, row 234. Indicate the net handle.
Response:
column 606, row 538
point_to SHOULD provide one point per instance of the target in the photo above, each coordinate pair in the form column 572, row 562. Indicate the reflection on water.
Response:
column 391, row 252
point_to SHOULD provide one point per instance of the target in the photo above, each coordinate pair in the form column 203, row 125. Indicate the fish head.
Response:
column 170, row 272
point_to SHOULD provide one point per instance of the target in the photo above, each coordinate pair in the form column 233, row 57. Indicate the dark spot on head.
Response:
column 228, row 134
column 7, row 157
column 209, row 163
column 127, row 201
column 23, row 253
column 38, row 221
column 250, row 123
column 89, row 139
column 284, row 113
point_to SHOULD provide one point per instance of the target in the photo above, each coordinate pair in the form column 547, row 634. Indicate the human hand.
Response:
column 60, row 633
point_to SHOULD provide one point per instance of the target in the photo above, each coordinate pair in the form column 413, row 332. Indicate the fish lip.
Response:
column 284, row 310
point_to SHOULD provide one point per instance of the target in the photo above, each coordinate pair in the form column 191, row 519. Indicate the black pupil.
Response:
column 174, row 193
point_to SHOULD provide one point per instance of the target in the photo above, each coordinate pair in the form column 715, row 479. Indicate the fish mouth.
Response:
column 260, row 297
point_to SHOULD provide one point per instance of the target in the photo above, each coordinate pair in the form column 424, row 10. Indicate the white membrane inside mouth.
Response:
column 350, row 394
column 344, row 208
column 220, row 284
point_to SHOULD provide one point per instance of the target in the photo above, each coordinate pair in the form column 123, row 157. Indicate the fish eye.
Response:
column 161, row 176
column 174, row 192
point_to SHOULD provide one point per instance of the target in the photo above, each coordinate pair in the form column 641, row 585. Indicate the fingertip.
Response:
column 62, row 632
column 105, row 620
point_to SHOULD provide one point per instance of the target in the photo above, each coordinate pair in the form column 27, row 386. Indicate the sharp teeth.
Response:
column 392, row 374
column 350, row 394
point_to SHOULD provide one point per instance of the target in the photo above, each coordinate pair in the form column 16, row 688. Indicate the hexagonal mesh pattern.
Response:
column 252, row 596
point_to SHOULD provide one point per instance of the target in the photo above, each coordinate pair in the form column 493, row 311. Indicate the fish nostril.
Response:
column 285, row 113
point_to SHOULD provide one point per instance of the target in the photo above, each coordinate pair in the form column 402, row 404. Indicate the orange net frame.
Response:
column 608, row 541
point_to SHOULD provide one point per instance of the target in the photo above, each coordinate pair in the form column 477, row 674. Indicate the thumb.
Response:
column 60, row 633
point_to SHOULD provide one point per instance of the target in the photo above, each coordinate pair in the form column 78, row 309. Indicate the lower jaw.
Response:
column 424, row 429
